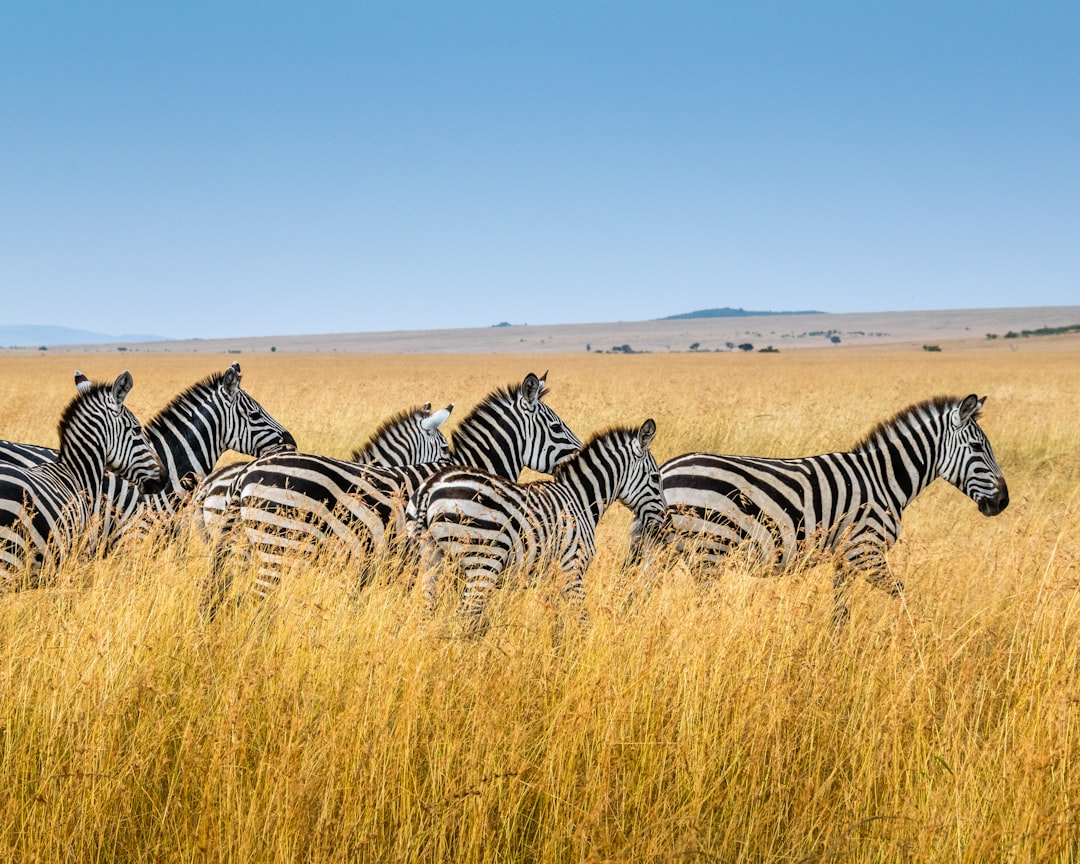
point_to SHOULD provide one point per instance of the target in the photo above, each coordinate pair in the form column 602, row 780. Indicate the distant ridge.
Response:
column 728, row 312
column 28, row 335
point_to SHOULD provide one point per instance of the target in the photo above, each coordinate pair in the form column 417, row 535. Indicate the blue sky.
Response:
column 232, row 169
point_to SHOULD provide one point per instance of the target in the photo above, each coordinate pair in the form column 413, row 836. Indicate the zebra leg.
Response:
column 219, row 579
column 574, row 588
column 481, row 577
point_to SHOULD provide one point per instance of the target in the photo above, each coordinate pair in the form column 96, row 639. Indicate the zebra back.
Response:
column 45, row 510
column 412, row 436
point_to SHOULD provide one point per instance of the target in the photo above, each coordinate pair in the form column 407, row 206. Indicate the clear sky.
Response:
column 232, row 169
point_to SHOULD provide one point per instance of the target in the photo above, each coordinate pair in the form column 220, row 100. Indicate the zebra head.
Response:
column 247, row 427
column 98, row 415
column 412, row 437
column 548, row 440
column 967, row 461
column 639, row 487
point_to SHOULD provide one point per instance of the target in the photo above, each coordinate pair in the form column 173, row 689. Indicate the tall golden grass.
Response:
column 715, row 721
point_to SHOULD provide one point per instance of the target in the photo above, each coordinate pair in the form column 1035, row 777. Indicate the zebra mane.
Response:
column 210, row 382
column 500, row 395
column 385, row 427
column 628, row 432
column 937, row 405
column 79, row 398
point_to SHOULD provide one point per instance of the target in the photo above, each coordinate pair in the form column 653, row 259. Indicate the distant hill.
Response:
column 28, row 335
column 728, row 312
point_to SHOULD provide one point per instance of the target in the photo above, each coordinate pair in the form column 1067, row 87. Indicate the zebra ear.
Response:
column 647, row 433
column 82, row 383
column 426, row 407
column 230, row 381
column 121, row 387
column 531, row 389
column 968, row 409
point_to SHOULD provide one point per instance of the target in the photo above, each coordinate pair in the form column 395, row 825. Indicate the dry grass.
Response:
column 713, row 722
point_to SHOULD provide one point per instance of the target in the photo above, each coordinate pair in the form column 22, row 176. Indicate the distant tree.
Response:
column 991, row 335
column 835, row 340
column 694, row 346
column 746, row 346
column 768, row 350
column 931, row 347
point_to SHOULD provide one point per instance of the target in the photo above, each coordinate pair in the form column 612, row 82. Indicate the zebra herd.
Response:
column 458, row 503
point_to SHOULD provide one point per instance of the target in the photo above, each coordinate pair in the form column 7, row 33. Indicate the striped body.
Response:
column 46, row 510
column 410, row 437
column 189, row 436
column 303, row 502
column 487, row 525
column 26, row 455
column 845, row 505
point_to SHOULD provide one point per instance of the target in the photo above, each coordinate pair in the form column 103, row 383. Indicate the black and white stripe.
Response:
column 46, row 510
column 294, row 502
column 409, row 437
column 847, row 505
column 189, row 436
column 486, row 525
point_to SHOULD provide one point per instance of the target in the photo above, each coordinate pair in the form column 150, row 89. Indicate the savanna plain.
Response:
column 693, row 719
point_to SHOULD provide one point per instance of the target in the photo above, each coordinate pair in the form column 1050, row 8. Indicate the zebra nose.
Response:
column 992, row 505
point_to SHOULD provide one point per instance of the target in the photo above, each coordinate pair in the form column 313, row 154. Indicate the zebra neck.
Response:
column 84, row 460
column 588, row 484
column 187, row 438
column 502, row 457
column 904, row 463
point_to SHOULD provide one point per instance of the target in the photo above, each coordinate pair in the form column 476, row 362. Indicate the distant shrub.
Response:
column 768, row 350
column 746, row 346
column 991, row 335
column 931, row 348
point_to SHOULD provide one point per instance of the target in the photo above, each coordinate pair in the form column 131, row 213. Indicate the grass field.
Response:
column 697, row 722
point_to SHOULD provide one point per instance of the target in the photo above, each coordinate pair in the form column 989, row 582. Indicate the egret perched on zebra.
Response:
column 298, row 503
column 46, row 510
column 486, row 525
column 189, row 435
column 845, row 505
column 409, row 437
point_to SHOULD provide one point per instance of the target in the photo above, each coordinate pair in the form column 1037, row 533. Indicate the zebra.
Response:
column 45, row 510
column 845, row 505
column 189, row 435
column 409, row 437
column 295, row 502
column 487, row 525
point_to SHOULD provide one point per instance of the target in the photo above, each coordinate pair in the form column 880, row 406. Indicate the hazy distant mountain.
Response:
column 28, row 335
column 728, row 312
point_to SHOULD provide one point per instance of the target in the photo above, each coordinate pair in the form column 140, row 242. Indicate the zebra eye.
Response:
column 978, row 446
